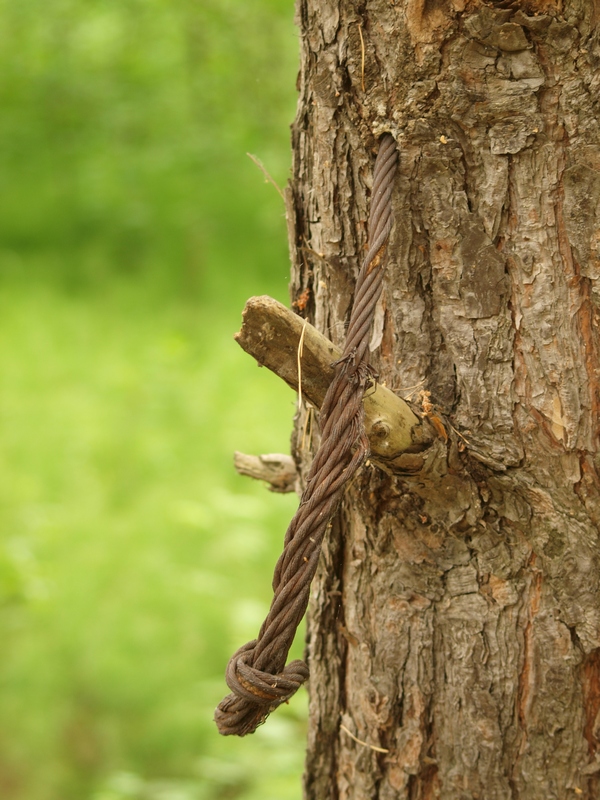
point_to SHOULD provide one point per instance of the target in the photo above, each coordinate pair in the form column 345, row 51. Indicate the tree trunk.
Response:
column 454, row 627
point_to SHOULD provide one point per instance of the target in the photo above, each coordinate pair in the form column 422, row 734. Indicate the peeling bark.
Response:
column 455, row 618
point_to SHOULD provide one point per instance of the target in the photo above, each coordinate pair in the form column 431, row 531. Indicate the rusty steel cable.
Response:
column 257, row 674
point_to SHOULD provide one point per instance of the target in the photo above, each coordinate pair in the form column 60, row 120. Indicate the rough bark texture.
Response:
column 455, row 619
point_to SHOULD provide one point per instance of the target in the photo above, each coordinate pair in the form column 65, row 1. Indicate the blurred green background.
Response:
column 133, row 560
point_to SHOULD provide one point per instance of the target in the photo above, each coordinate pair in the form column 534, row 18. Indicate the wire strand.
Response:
column 257, row 675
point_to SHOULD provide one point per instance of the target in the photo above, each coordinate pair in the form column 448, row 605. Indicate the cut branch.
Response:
column 271, row 334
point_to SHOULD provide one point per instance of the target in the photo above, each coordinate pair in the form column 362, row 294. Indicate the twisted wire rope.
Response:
column 257, row 675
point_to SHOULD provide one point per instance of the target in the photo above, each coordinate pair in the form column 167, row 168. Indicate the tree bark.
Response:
column 455, row 619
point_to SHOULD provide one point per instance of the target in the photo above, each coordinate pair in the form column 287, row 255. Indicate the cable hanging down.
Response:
column 257, row 674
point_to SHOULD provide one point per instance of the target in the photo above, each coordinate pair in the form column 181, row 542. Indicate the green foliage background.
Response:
column 133, row 560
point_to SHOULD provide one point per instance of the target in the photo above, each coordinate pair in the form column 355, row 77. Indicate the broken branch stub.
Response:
column 271, row 333
column 277, row 469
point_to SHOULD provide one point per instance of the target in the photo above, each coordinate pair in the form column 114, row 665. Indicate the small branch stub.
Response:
column 271, row 333
column 277, row 469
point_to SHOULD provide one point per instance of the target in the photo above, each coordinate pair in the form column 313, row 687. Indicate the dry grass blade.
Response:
column 265, row 172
